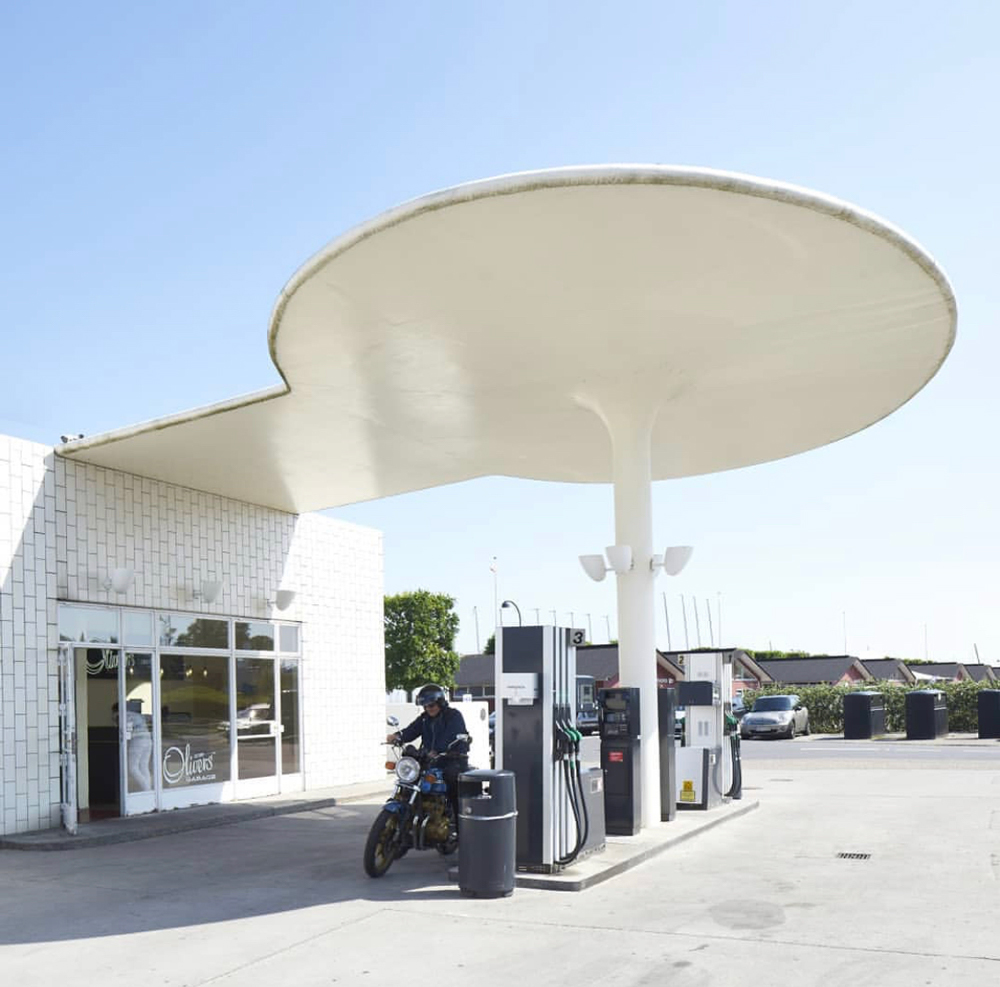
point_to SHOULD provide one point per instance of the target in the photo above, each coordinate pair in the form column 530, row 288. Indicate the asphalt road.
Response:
column 884, row 753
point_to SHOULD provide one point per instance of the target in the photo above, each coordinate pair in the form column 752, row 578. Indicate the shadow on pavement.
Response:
column 262, row 867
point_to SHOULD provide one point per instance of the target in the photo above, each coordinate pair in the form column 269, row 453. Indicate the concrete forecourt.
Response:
column 765, row 898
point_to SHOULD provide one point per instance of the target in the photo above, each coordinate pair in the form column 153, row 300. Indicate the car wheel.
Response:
column 791, row 729
column 805, row 729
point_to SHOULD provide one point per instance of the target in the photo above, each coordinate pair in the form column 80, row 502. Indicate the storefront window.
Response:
column 139, row 720
column 288, row 638
column 193, row 632
column 137, row 627
column 194, row 707
column 290, row 754
column 255, row 722
column 88, row 624
column 254, row 636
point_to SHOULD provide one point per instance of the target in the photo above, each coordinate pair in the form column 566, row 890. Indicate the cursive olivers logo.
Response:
column 181, row 767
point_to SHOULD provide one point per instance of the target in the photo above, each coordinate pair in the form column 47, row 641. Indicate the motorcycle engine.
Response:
column 437, row 820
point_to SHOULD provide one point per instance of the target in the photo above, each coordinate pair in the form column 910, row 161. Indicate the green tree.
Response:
column 491, row 645
column 420, row 629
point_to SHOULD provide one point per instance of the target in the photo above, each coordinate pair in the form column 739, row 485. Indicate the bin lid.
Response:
column 501, row 799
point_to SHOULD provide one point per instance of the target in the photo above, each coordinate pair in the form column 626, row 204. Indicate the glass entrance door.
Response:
column 137, row 729
column 258, row 727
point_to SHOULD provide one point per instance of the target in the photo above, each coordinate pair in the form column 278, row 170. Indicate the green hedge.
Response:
column 826, row 703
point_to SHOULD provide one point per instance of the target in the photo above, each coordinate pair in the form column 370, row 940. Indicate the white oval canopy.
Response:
column 463, row 333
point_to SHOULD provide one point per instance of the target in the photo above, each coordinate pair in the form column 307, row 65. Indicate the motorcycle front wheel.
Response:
column 383, row 844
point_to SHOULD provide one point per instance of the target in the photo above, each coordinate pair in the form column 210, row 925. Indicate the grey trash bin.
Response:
column 864, row 715
column 487, row 833
column 926, row 714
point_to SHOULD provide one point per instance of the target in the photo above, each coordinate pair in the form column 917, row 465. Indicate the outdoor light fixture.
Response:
column 119, row 580
column 672, row 560
column 511, row 603
column 208, row 591
column 593, row 566
column 283, row 599
column 620, row 561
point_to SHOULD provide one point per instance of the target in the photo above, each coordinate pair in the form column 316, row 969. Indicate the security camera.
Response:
column 70, row 438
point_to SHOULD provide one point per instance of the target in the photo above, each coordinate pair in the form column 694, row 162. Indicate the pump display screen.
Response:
column 615, row 702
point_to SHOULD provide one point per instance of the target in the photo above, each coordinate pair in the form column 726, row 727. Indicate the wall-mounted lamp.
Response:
column 507, row 604
column 119, row 580
column 673, row 559
column 283, row 599
column 620, row 561
column 209, row 591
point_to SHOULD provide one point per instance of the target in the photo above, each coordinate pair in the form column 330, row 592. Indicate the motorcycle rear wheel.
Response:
column 383, row 844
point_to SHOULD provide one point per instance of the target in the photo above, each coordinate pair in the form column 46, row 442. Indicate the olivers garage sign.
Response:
column 182, row 766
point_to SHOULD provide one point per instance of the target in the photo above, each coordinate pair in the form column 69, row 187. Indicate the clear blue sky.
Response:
column 166, row 168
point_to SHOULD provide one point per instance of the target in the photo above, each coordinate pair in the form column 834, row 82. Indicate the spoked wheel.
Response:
column 383, row 844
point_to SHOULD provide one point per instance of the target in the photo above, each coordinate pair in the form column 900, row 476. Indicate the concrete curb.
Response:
column 178, row 821
column 631, row 856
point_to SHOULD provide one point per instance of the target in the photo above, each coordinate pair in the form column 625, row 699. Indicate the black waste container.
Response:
column 926, row 714
column 487, row 833
column 864, row 715
column 989, row 713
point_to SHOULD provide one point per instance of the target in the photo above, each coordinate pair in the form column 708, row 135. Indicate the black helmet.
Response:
column 431, row 693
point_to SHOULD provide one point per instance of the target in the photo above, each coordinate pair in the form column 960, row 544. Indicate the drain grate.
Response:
column 853, row 856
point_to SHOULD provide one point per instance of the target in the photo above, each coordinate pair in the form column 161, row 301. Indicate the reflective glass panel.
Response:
column 194, row 710
column 137, row 627
column 288, row 638
column 193, row 632
column 254, row 636
column 255, row 723
column 88, row 624
column 290, row 754
column 139, row 720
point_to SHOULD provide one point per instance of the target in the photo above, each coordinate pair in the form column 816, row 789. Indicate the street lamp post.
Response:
column 511, row 603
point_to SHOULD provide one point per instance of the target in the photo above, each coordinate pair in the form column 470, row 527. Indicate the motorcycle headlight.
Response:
column 408, row 769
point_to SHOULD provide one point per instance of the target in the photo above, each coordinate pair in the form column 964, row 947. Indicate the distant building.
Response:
column 747, row 673
column 816, row 670
column 892, row 670
column 981, row 673
column 475, row 676
column 948, row 671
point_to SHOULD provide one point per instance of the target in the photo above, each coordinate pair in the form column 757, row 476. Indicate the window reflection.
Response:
column 88, row 624
column 290, row 754
column 255, row 753
column 194, row 708
column 139, row 720
column 193, row 632
column 288, row 637
column 137, row 627
column 254, row 636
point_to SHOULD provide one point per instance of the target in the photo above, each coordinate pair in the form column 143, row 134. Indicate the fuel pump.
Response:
column 560, row 803
column 705, row 770
column 621, row 759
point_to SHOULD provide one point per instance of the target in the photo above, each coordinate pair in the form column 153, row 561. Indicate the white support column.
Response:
column 631, row 435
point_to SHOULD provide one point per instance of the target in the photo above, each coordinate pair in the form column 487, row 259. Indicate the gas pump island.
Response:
column 563, row 808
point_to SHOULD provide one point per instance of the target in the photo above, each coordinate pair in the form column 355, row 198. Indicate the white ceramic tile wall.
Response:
column 64, row 525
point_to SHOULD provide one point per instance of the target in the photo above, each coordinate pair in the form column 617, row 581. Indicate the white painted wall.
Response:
column 64, row 525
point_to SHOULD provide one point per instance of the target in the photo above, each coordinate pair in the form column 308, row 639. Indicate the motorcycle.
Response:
column 419, row 814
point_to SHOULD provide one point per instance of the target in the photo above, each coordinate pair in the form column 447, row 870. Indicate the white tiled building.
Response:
column 225, row 699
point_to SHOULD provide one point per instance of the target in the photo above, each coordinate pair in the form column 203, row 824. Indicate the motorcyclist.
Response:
column 437, row 727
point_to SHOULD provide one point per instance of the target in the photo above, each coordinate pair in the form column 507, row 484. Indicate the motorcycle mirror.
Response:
column 392, row 721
